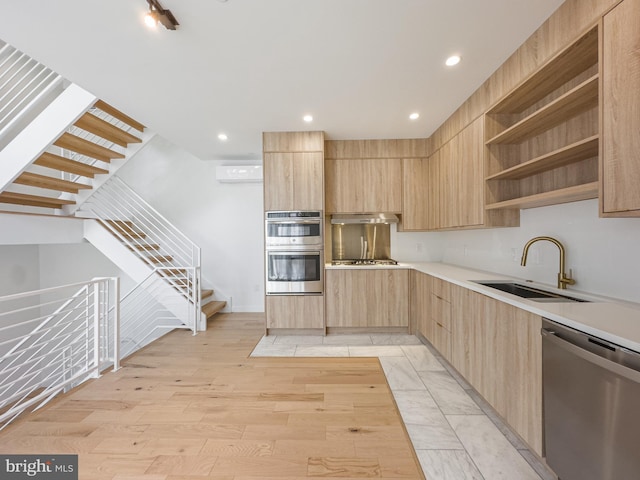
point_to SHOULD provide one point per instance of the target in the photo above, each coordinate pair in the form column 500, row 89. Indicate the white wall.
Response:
column 80, row 262
column 19, row 269
column 18, row 229
column 604, row 253
column 225, row 220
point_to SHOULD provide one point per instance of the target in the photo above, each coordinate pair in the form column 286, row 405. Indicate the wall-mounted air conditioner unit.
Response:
column 239, row 173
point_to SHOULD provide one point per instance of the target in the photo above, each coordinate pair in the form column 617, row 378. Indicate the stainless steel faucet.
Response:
column 563, row 279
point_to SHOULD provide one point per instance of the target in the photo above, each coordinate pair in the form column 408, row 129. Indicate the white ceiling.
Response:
column 241, row 67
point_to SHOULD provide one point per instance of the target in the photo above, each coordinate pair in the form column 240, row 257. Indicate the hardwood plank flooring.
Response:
column 198, row 407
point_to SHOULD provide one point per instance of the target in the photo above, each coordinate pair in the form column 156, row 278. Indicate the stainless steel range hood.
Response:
column 353, row 218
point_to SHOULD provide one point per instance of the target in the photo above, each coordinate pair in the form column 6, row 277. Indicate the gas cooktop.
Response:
column 365, row 261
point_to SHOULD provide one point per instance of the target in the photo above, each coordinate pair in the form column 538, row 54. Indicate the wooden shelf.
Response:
column 564, row 195
column 575, row 101
column 568, row 64
column 573, row 153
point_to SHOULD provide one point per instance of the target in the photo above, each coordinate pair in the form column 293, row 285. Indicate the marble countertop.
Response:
column 611, row 319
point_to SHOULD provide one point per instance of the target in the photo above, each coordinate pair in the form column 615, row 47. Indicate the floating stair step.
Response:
column 206, row 294
column 124, row 228
column 174, row 271
column 33, row 200
column 63, row 164
column 106, row 130
column 51, row 183
column 159, row 258
column 146, row 247
column 106, row 108
column 85, row 147
column 211, row 308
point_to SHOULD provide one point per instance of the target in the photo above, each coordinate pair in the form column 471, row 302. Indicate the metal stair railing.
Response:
column 23, row 83
column 144, row 318
column 75, row 337
column 122, row 211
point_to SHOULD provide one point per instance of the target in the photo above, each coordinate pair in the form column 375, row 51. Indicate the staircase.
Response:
column 69, row 165
column 59, row 150
column 133, row 237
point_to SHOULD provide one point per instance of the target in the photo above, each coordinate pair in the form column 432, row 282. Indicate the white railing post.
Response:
column 116, row 324
column 96, row 328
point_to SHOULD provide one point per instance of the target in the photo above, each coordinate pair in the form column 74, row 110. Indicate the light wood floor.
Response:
column 197, row 407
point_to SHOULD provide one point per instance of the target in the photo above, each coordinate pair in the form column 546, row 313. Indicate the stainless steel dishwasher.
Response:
column 591, row 406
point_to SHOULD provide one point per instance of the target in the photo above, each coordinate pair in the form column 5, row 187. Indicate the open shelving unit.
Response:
column 542, row 138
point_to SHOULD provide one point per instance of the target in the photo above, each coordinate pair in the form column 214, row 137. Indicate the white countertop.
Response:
column 610, row 319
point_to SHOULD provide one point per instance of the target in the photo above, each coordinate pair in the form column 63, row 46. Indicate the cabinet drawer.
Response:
column 441, row 289
column 442, row 341
column 440, row 312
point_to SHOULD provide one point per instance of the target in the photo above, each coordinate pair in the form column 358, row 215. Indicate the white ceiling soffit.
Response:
column 241, row 67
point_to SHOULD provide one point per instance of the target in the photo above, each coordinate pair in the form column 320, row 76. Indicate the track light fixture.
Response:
column 157, row 14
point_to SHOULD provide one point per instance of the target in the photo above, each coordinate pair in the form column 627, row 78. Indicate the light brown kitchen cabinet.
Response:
column 363, row 185
column 363, row 176
column 446, row 190
column 415, row 194
column 498, row 350
column 295, row 312
column 420, row 297
column 293, row 164
column 542, row 137
column 431, row 311
column 440, row 316
column 620, row 104
column 357, row 298
column 293, row 181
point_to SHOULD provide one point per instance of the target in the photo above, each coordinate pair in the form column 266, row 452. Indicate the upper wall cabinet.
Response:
column 446, row 191
column 293, row 170
column 543, row 137
column 620, row 154
column 363, row 185
column 365, row 176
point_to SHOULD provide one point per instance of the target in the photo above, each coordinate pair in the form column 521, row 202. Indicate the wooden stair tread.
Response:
column 51, row 183
column 85, row 147
column 159, row 258
column 105, row 107
column 144, row 247
column 206, row 294
column 57, row 162
column 211, row 308
column 124, row 228
column 33, row 200
column 106, row 130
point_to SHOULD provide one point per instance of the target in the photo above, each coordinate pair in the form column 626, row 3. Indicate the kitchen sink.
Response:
column 531, row 293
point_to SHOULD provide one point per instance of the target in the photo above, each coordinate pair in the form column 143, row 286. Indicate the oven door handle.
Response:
column 292, row 222
column 626, row 372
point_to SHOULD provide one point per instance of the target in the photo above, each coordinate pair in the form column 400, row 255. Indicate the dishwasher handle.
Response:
column 621, row 370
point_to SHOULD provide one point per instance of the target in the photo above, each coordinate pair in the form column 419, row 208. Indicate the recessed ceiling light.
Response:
column 452, row 60
column 414, row 116
column 308, row 118
column 222, row 136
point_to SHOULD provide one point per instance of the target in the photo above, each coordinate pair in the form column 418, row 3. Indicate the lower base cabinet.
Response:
column 431, row 311
column 295, row 312
column 357, row 298
column 496, row 347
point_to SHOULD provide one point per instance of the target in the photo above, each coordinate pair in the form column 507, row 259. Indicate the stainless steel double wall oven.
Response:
column 294, row 253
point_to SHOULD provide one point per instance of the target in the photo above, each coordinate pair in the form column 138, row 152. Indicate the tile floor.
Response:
column 455, row 433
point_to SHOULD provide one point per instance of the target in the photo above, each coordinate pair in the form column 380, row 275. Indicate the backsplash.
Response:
column 603, row 253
